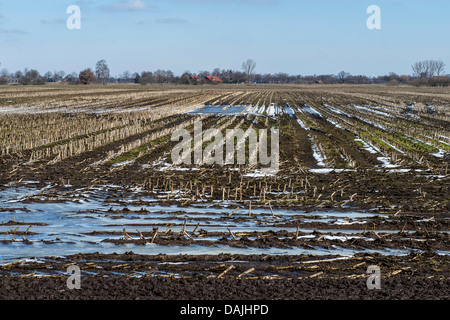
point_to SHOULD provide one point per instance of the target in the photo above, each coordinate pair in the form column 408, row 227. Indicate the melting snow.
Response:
column 311, row 111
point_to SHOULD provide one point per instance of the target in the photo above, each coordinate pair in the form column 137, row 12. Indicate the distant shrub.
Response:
column 393, row 83
column 24, row 81
column 38, row 82
column 31, row 77
column 3, row 80
column 85, row 77
column 440, row 81
column 420, row 82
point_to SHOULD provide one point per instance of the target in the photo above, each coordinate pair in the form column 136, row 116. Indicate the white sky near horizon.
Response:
column 295, row 37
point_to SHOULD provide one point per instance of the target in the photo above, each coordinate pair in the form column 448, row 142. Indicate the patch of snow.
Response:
column 260, row 173
column 337, row 125
column 387, row 162
column 328, row 170
column 440, row 154
column 335, row 110
column 124, row 163
column 318, row 156
column 369, row 109
column 311, row 111
column 271, row 111
column 367, row 146
column 302, row 124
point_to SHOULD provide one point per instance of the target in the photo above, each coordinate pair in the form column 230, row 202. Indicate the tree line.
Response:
column 427, row 72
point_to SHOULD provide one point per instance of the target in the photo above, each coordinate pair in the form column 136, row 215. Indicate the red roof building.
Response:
column 213, row 79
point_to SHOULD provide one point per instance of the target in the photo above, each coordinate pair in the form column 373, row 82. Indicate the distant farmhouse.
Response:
column 213, row 79
column 206, row 79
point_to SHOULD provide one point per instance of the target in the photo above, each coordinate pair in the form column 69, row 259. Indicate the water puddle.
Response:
column 81, row 224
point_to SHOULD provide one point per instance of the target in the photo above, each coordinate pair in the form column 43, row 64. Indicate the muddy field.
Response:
column 86, row 179
column 228, row 277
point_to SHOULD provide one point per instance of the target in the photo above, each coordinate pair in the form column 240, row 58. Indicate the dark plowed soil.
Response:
column 120, row 288
column 252, row 277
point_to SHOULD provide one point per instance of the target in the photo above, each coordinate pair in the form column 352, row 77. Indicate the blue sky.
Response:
column 296, row 37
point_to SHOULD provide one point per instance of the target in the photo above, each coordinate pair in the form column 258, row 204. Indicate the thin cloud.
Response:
column 85, row 5
column 206, row 1
column 126, row 6
column 84, row 2
column 53, row 22
column 12, row 31
column 172, row 21
column 259, row 2
column 252, row 2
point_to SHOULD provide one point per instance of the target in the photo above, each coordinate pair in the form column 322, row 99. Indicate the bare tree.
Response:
column 440, row 67
column 432, row 68
column 58, row 75
column 102, row 71
column 145, row 77
column 4, row 72
column 160, row 76
column 184, row 79
column 4, row 76
column 249, row 67
column 126, row 75
column 342, row 76
column 48, row 76
column 417, row 69
column 428, row 68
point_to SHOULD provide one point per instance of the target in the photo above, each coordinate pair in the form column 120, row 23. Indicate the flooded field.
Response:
column 86, row 179
column 85, row 221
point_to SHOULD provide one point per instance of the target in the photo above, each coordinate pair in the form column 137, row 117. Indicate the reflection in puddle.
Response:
column 67, row 227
